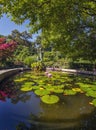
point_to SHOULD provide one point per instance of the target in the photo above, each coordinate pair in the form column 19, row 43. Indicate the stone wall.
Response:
column 6, row 73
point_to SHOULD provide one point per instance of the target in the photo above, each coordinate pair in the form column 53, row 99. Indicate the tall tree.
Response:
column 67, row 24
column 24, row 40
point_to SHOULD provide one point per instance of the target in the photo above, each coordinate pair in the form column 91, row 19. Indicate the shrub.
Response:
column 29, row 60
column 38, row 66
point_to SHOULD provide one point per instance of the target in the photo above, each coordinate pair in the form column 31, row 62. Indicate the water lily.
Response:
column 41, row 92
column 50, row 99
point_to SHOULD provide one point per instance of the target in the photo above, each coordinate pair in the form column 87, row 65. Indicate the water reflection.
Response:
column 68, row 113
column 25, row 111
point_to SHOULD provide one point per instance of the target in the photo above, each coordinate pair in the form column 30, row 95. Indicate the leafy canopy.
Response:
column 67, row 24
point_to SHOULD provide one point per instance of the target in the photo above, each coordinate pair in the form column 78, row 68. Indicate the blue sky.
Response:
column 6, row 26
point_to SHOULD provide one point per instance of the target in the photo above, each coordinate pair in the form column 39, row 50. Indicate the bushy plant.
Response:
column 38, row 66
column 49, row 63
column 29, row 60
column 6, row 50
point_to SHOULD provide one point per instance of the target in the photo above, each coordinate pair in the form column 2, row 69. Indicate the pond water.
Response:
column 24, row 109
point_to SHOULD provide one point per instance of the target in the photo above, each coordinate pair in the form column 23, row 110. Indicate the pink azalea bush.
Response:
column 6, row 48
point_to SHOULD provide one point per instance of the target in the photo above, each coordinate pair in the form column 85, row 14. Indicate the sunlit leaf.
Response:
column 41, row 92
column 26, row 88
column 69, row 92
column 50, row 99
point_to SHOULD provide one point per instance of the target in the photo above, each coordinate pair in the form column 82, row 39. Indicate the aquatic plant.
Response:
column 93, row 102
column 20, row 79
column 69, row 92
column 77, row 90
column 93, row 87
column 29, row 83
column 55, row 89
column 58, row 90
column 26, row 88
column 91, row 93
column 41, row 92
column 49, row 75
column 35, row 87
column 62, row 83
column 50, row 99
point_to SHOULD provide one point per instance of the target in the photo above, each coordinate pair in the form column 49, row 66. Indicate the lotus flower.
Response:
column 46, row 73
column 49, row 75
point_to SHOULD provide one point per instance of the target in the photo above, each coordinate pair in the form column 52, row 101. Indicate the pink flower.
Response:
column 2, row 40
column 49, row 75
column 46, row 73
column 3, row 93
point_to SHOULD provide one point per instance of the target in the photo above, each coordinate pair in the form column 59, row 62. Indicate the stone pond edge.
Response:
column 9, row 72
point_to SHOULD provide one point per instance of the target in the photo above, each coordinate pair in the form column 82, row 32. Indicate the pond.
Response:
column 34, row 101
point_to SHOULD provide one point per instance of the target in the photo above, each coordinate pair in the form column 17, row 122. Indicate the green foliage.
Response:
column 26, row 88
column 38, row 66
column 50, row 99
column 29, row 83
column 21, row 53
column 49, row 63
column 69, row 92
column 60, row 83
column 54, row 89
column 91, row 93
column 41, row 92
column 29, row 60
column 67, row 25
column 93, row 102
column 25, row 48
column 20, row 79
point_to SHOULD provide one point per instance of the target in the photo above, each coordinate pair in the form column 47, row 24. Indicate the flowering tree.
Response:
column 6, row 49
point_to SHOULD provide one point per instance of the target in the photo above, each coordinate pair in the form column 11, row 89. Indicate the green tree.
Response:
column 25, row 46
column 67, row 24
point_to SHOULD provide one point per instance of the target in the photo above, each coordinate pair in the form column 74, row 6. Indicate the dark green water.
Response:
column 25, row 111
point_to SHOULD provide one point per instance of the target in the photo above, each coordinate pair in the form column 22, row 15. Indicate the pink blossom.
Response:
column 3, row 93
column 49, row 75
column 46, row 73
column 2, row 40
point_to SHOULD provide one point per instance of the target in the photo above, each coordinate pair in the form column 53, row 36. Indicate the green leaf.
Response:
column 29, row 83
column 77, row 90
column 20, row 79
column 50, row 99
column 56, row 89
column 41, row 92
column 26, row 88
column 93, row 102
column 91, row 93
column 69, row 92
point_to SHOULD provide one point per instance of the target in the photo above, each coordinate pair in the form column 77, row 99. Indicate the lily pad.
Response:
column 41, row 92
column 77, row 90
column 20, row 79
column 50, row 99
column 93, row 87
column 27, row 75
column 85, row 88
column 93, row 102
column 26, row 88
column 58, row 90
column 35, row 87
column 69, row 92
column 91, row 93
column 29, row 83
